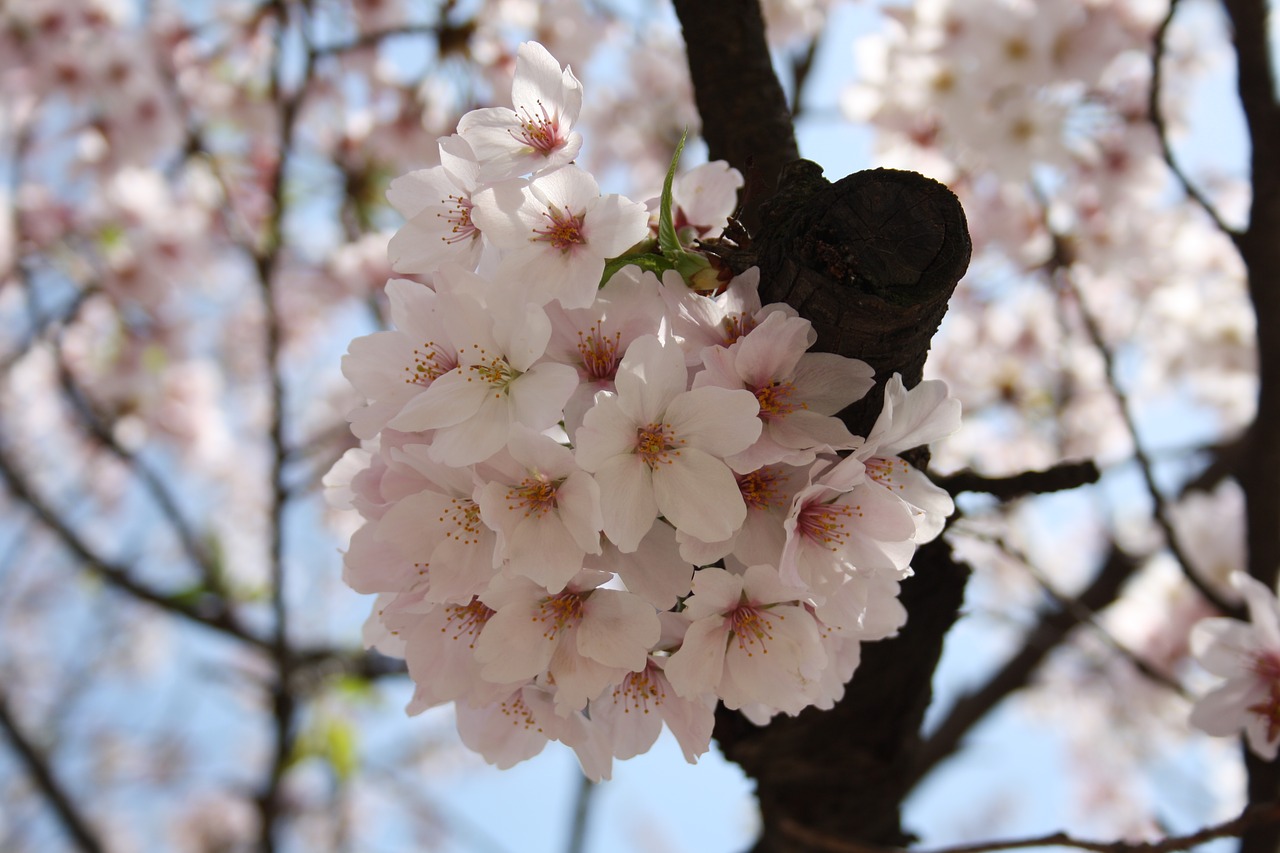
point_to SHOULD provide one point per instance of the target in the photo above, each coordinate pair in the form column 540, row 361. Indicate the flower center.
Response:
column 655, row 443
column 518, row 713
column 466, row 619
column 825, row 523
column 599, row 354
column 536, row 494
column 751, row 627
column 736, row 327
column 494, row 371
column 564, row 230
column 430, row 362
column 462, row 227
column 541, row 133
column 559, row 612
column 775, row 400
column 884, row 470
column 463, row 514
column 639, row 690
column 760, row 489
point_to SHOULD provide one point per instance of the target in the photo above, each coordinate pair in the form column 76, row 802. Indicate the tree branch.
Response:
column 1156, row 113
column 1052, row 628
column 1060, row 477
column 37, row 767
column 1253, row 817
column 744, row 112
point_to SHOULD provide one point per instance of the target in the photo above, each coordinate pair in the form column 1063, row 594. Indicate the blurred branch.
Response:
column 1060, row 477
column 801, row 65
column 209, row 612
column 210, row 576
column 581, row 813
column 1052, row 628
column 1061, row 272
column 1251, row 817
column 37, row 766
column 266, row 260
column 1156, row 112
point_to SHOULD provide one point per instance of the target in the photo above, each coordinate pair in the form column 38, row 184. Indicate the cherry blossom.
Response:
column 656, row 448
column 1247, row 655
column 557, row 231
column 749, row 640
column 538, row 132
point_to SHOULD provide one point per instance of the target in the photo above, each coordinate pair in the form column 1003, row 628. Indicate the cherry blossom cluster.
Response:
column 603, row 486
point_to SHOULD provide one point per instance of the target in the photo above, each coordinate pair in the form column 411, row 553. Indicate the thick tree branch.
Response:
column 1253, row 817
column 744, row 112
column 1259, row 472
column 871, row 261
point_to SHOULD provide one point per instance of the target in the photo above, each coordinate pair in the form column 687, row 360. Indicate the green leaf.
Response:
column 668, row 240
column 655, row 264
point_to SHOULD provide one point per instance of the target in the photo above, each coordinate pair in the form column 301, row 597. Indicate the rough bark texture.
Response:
column 1259, row 472
column 745, row 119
column 871, row 260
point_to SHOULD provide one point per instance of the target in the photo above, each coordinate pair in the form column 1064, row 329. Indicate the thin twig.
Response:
column 1156, row 112
column 37, row 766
column 1162, row 516
column 209, row 612
column 581, row 814
column 1052, row 627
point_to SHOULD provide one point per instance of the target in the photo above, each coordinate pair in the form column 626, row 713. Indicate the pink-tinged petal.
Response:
column 538, row 396
column 449, row 400
column 515, row 644
column 808, row 429
column 504, row 733
column 1222, row 711
column 568, row 188
column 505, row 213
column 541, row 549
column 606, row 432
column 762, row 585
column 714, row 591
column 578, row 501
column 827, row 382
column 618, row 629
column 614, row 224
column 476, row 439
column 1223, row 646
column 539, row 77
column 1264, row 612
column 697, row 667
column 716, row 420
column 578, row 679
column 699, row 553
column 690, row 720
column 697, row 493
column 627, row 505
column 655, row 571
column 770, row 351
column 649, row 377
column 919, row 416
column 632, row 713
column 373, row 565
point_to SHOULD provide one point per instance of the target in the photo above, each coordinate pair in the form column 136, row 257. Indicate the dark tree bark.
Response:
column 871, row 260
